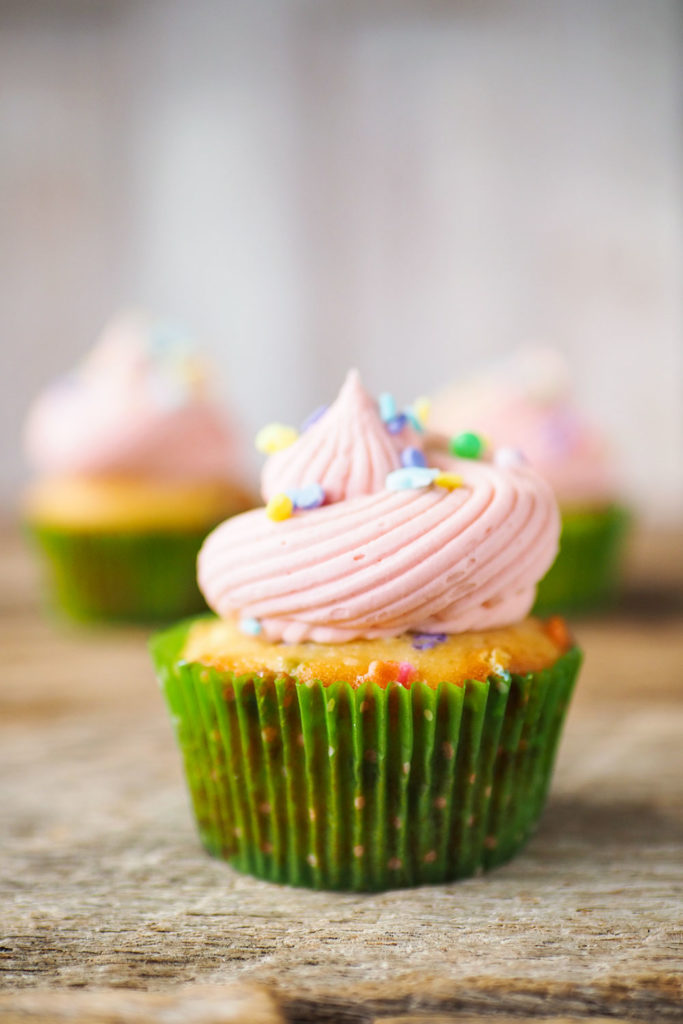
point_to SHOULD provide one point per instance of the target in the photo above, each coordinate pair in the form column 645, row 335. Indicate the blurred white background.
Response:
column 411, row 187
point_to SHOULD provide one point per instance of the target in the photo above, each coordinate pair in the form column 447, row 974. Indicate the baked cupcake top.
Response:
column 526, row 403
column 360, row 538
column 138, row 405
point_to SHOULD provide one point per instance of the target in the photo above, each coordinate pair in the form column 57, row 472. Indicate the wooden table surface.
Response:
column 110, row 911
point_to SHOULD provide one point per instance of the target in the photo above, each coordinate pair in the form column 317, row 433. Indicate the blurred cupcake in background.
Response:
column 525, row 404
column 135, row 462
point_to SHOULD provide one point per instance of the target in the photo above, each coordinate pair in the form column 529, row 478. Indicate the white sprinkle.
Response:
column 506, row 458
column 411, row 478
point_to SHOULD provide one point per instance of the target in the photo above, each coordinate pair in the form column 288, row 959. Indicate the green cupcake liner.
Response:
column 132, row 577
column 363, row 789
column 585, row 575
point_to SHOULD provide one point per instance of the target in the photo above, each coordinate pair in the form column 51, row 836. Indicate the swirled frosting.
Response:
column 375, row 561
column 348, row 451
column 138, row 405
column 526, row 403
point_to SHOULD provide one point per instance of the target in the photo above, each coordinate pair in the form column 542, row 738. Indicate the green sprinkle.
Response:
column 467, row 446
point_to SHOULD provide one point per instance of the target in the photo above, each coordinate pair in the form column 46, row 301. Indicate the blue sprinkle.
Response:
column 387, row 406
column 427, row 641
column 410, row 477
column 397, row 423
column 414, row 421
column 314, row 417
column 412, row 457
column 308, row 496
column 165, row 335
column 251, row 626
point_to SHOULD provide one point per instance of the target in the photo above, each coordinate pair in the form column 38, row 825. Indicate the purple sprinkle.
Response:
column 412, row 457
column 314, row 417
column 426, row 641
column 561, row 432
column 397, row 423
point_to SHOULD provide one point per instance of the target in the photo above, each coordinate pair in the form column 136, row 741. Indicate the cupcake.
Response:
column 525, row 404
column 370, row 707
column 135, row 462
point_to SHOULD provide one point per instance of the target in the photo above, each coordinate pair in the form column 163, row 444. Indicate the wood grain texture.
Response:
column 104, row 888
column 198, row 1004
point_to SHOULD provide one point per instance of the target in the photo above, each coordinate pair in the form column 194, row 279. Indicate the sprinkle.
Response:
column 508, row 457
column 251, row 626
column 279, row 507
column 314, row 417
column 450, row 481
column 406, row 674
column 397, row 423
column 467, row 446
column 165, row 336
column 414, row 421
column 274, row 437
column 426, row 641
column 387, row 406
column 411, row 477
column 306, row 497
column 412, row 457
column 420, row 409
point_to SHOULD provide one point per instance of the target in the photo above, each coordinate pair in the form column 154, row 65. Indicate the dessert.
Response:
column 134, row 463
column 371, row 707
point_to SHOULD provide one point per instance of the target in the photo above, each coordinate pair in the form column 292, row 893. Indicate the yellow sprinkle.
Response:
column 195, row 375
column 274, row 437
column 279, row 507
column 421, row 408
column 448, row 480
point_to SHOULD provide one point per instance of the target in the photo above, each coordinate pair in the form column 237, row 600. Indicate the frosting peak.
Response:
column 440, row 552
column 137, row 405
column 347, row 451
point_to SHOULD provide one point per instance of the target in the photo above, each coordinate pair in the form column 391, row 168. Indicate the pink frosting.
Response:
column 137, row 405
column 348, row 451
column 525, row 404
column 379, row 562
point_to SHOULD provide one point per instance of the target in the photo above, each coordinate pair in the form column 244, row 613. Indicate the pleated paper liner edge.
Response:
column 368, row 789
column 586, row 573
column 137, row 577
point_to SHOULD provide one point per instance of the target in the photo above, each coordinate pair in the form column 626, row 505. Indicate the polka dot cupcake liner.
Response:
column 363, row 789
column 127, row 576
column 586, row 573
